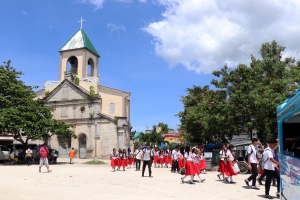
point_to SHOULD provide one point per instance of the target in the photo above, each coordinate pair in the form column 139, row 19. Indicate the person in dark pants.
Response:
column 252, row 162
column 138, row 154
column 174, row 156
column 146, row 158
column 270, row 165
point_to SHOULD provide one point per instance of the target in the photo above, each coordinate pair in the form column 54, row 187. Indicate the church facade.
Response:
column 100, row 115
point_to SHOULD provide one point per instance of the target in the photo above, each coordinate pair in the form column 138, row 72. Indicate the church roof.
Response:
column 78, row 41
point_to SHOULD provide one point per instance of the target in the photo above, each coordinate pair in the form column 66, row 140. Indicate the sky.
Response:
column 155, row 49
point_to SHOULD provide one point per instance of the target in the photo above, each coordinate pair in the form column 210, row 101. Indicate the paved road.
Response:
column 80, row 181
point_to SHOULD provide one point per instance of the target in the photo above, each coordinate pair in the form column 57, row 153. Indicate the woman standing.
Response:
column 203, row 165
column 188, row 165
column 124, row 159
column 130, row 158
column 119, row 158
column 223, row 161
column 166, row 157
column 113, row 159
column 196, row 155
column 161, row 158
column 181, row 159
column 230, row 163
column 156, row 156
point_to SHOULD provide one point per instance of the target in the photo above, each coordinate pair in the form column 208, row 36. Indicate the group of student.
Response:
column 186, row 161
column 121, row 159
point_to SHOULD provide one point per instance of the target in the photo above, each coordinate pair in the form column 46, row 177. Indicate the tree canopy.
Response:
column 22, row 115
column 244, row 99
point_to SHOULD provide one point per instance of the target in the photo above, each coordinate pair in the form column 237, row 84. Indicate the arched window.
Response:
column 72, row 65
column 112, row 109
column 90, row 67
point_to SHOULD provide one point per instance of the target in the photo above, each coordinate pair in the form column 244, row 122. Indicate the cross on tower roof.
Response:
column 81, row 20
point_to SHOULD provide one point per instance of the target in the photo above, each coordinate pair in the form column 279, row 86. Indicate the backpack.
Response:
column 263, row 161
column 218, row 158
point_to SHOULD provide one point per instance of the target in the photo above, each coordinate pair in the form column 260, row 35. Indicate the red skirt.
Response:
column 161, row 160
column 229, row 170
column 222, row 166
column 130, row 161
column 118, row 162
column 124, row 162
column 189, row 169
column 113, row 162
column 197, row 168
column 166, row 159
column 155, row 159
column 203, row 164
column 180, row 163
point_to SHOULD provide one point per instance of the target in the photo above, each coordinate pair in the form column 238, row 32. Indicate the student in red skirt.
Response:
column 130, row 158
column 170, row 156
column 113, row 157
column 124, row 159
column 156, row 157
column 119, row 160
column 161, row 158
column 223, row 160
column 188, row 165
column 166, row 157
column 202, row 161
column 181, row 159
column 196, row 155
column 230, row 162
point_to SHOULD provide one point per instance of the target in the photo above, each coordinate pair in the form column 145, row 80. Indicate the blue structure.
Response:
column 288, row 120
column 136, row 135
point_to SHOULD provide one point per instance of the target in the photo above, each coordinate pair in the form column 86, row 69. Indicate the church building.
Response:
column 100, row 114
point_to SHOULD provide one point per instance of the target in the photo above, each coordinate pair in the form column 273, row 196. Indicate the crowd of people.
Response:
column 185, row 161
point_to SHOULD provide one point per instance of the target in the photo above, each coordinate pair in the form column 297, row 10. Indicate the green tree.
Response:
column 23, row 116
column 254, row 92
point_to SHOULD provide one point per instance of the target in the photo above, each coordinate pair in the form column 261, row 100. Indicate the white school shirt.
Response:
column 113, row 155
column 161, row 155
column 174, row 155
column 138, row 154
column 147, row 154
column 156, row 153
column 231, row 158
column 252, row 149
column 268, row 154
column 196, row 159
column 188, row 157
column 224, row 153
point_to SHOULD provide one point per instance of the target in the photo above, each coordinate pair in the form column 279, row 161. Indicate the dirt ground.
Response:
column 81, row 181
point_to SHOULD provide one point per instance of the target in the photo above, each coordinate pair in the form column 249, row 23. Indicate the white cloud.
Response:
column 143, row 1
column 202, row 35
column 24, row 13
column 115, row 28
column 97, row 3
column 126, row 1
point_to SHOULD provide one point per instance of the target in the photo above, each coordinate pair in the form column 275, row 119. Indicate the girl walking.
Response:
column 189, row 166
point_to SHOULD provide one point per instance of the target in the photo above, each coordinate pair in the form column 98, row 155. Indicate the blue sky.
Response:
column 154, row 49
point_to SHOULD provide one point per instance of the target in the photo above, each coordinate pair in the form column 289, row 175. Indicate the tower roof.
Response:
column 78, row 41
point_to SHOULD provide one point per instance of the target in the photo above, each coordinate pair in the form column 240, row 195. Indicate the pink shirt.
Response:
column 43, row 155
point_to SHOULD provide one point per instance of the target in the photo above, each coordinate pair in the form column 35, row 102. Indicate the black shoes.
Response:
column 219, row 176
column 255, row 188
column 268, row 197
column 259, row 181
column 247, row 182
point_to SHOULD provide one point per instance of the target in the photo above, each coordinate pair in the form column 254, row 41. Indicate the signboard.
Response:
column 173, row 137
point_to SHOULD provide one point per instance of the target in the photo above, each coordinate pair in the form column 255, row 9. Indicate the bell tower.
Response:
column 79, row 56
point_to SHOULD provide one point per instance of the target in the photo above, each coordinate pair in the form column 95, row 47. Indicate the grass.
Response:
column 92, row 162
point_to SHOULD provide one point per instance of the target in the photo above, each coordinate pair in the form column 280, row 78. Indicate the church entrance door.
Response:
column 82, row 146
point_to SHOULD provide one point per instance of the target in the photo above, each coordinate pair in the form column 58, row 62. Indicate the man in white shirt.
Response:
column 174, row 160
column 138, row 154
column 269, row 167
column 252, row 162
column 146, row 158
